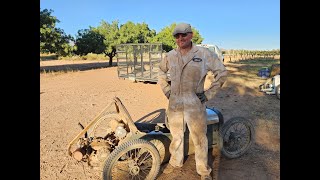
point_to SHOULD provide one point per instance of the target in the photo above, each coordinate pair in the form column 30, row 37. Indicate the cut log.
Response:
column 78, row 154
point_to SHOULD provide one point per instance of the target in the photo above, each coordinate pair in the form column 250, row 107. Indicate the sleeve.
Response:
column 220, row 74
column 163, row 80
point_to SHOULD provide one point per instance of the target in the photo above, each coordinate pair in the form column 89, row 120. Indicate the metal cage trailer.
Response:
column 139, row 61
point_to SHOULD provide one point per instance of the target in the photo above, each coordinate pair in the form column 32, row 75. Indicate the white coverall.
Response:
column 184, row 107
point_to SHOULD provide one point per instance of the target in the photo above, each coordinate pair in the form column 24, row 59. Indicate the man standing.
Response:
column 188, row 66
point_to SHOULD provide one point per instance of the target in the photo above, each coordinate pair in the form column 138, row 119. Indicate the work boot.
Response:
column 169, row 169
column 206, row 177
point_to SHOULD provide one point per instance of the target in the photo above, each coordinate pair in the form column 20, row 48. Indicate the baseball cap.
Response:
column 182, row 28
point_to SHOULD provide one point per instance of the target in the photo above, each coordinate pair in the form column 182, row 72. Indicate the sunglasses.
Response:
column 182, row 34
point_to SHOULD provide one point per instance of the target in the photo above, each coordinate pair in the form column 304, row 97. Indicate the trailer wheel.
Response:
column 236, row 137
column 135, row 159
column 278, row 91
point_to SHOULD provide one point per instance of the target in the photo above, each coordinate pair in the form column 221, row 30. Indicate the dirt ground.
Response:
column 80, row 95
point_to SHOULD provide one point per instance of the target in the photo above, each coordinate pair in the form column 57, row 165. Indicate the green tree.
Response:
column 145, row 33
column 53, row 39
column 111, row 35
column 168, row 41
column 89, row 41
column 126, row 33
column 135, row 33
column 129, row 33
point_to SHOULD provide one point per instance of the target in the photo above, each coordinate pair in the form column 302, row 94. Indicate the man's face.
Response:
column 183, row 40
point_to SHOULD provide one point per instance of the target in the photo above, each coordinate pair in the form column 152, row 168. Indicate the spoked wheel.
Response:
column 135, row 159
column 236, row 136
column 278, row 91
column 103, row 126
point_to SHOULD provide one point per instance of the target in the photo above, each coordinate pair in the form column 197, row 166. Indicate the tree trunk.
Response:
column 110, row 55
column 110, row 60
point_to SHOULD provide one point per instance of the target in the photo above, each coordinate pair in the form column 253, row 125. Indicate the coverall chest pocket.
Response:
column 195, row 68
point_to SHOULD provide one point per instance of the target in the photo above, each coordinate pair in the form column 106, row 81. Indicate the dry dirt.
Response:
column 78, row 96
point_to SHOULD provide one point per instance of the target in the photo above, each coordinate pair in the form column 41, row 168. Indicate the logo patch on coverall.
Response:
column 195, row 59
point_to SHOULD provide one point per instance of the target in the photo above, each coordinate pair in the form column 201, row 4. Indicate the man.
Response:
column 188, row 66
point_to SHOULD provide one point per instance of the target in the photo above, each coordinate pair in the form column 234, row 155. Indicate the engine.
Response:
column 95, row 150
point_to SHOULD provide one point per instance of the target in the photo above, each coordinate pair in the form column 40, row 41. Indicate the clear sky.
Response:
column 230, row 24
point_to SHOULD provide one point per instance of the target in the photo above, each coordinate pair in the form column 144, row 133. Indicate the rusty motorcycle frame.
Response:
column 124, row 149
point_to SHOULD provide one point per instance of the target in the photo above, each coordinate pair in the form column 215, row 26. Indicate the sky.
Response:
column 230, row 24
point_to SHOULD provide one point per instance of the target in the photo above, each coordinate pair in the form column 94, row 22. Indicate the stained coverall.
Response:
column 184, row 108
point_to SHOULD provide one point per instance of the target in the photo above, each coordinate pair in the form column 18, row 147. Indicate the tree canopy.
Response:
column 89, row 41
column 115, row 34
column 53, row 39
column 104, row 38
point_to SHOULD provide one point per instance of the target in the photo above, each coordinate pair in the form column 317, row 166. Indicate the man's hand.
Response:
column 202, row 97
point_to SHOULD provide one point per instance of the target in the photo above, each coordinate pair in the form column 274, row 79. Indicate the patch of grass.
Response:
column 56, row 72
column 265, row 62
column 254, row 65
column 71, row 58
column 44, row 57
column 90, row 56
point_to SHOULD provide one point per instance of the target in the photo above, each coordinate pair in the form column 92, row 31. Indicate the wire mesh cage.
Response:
column 139, row 61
